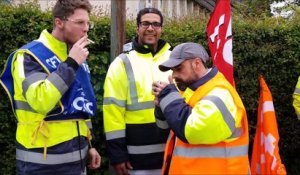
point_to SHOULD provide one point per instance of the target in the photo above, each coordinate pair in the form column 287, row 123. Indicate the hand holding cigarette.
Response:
column 79, row 51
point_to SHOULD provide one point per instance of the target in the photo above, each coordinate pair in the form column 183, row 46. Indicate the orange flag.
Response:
column 265, row 155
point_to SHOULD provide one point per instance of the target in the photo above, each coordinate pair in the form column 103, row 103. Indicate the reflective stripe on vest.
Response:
column 34, row 157
column 22, row 105
column 135, row 105
column 169, row 99
column 227, row 117
column 145, row 172
column 147, row 149
column 211, row 152
column 115, row 134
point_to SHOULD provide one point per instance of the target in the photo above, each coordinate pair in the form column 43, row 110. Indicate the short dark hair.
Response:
column 148, row 10
column 65, row 8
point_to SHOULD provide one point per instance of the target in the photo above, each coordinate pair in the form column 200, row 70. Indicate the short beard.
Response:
column 181, row 85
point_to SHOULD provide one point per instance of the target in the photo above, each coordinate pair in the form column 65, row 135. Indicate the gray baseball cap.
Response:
column 184, row 52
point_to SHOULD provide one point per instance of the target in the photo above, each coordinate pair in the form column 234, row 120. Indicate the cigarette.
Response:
column 91, row 41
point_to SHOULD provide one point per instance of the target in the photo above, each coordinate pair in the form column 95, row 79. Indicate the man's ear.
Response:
column 197, row 63
column 194, row 64
column 58, row 23
column 137, row 30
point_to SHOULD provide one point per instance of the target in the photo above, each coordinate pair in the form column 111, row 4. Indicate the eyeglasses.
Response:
column 146, row 24
column 82, row 23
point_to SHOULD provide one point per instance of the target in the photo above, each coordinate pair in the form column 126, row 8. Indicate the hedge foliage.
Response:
column 265, row 46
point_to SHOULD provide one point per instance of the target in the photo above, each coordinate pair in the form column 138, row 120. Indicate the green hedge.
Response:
column 260, row 46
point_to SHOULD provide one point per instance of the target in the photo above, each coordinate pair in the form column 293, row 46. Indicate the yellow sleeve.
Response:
column 36, row 89
column 115, row 95
column 213, row 118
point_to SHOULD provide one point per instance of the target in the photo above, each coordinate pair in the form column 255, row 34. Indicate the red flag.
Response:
column 265, row 154
column 220, row 38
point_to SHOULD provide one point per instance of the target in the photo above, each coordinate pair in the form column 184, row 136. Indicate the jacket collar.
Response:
column 212, row 73
column 146, row 49
column 56, row 46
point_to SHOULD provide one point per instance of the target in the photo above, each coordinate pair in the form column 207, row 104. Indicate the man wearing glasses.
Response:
column 134, row 142
column 52, row 96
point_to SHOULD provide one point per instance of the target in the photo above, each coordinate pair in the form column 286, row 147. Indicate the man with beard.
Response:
column 135, row 144
column 208, row 122
column 48, row 81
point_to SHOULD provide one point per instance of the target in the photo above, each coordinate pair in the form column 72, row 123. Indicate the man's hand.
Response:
column 157, row 87
column 122, row 168
column 171, row 81
column 79, row 52
column 95, row 159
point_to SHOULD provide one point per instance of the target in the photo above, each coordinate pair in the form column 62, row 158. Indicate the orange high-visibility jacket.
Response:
column 227, row 157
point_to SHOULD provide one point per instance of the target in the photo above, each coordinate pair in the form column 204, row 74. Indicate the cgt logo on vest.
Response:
column 82, row 104
column 53, row 62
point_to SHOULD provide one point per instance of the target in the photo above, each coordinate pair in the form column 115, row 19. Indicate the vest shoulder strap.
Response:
column 207, row 87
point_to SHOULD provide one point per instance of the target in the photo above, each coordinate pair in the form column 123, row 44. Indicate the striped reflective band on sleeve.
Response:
column 22, row 105
column 163, row 124
column 297, row 91
column 54, row 78
column 147, row 149
column 212, row 152
column 168, row 99
column 227, row 117
column 115, row 134
column 58, row 82
column 130, row 107
column 52, row 159
column 32, row 79
column 111, row 100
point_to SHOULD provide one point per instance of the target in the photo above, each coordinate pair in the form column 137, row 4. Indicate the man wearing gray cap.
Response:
column 208, row 122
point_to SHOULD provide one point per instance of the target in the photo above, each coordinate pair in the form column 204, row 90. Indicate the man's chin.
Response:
column 181, row 86
column 150, row 43
column 150, row 40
